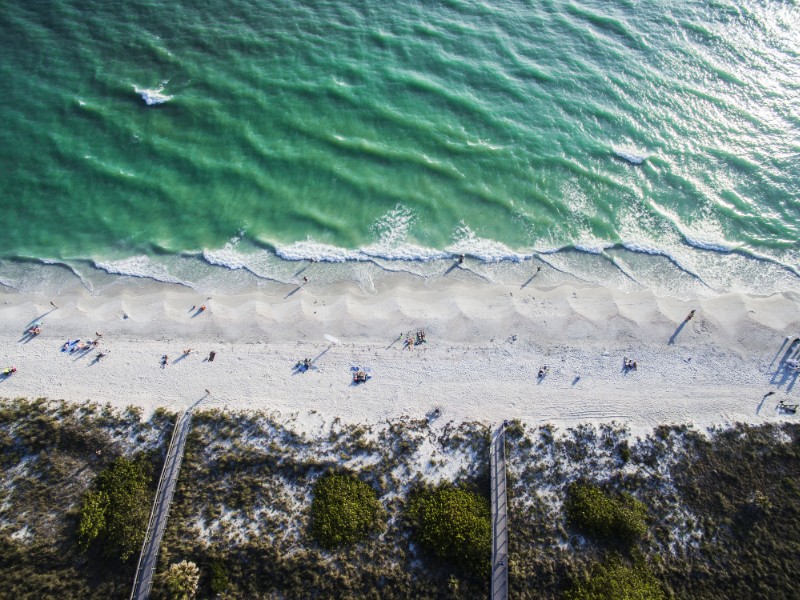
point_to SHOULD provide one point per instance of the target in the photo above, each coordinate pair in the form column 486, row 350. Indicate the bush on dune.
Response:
column 114, row 513
column 605, row 518
column 344, row 510
column 617, row 581
column 454, row 524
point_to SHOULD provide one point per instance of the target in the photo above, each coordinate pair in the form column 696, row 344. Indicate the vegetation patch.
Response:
column 114, row 513
column 181, row 580
column 613, row 580
column 344, row 510
column 604, row 517
column 454, row 524
column 243, row 505
column 51, row 453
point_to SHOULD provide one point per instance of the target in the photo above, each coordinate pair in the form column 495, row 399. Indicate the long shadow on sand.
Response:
column 293, row 292
column 452, row 268
column 676, row 333
column 782, row 373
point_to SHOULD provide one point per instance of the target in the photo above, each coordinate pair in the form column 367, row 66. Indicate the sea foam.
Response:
column 630, row 157
column 152, row 97
column 140, row 266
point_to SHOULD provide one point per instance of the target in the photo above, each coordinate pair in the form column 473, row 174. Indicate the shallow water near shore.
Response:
column 224, row 144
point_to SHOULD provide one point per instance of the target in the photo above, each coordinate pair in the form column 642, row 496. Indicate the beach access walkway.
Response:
column 148, row 558
column 497, row 467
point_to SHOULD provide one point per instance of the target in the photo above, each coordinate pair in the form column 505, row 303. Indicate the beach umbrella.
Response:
column 332, row 339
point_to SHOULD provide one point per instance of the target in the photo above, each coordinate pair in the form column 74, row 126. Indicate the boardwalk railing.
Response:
column 145, row 568
column 497, row 466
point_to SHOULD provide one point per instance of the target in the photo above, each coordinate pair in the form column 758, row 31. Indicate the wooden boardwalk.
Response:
column 497, row 466
column 158, row 516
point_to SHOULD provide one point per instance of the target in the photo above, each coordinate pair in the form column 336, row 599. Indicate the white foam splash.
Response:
column 311, row 250
column 140, row 266
column 152, row 97
column 490, row 251
column 230, row 257
column 630, row 157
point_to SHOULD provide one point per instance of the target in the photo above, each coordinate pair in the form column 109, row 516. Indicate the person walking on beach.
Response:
column 164, row 361
column 690, row 315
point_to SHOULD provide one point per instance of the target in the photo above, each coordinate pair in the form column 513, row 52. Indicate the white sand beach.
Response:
column 485, row 345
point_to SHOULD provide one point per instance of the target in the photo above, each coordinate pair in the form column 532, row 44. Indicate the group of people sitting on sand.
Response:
column 79, row 345
column 416, row 339
column 359, row 376
column 629, row 364
column 304, row 365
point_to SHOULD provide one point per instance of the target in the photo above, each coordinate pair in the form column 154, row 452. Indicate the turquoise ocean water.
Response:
column 185, row 141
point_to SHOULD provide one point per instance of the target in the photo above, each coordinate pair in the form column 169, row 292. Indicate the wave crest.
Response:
column 153, row 97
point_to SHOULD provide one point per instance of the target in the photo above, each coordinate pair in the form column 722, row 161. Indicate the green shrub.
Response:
column 344, row 510
column 624, row 451
column 616, row 581
column 454, row 524
column 608, row 519
column 219, row 577
column 115, row 512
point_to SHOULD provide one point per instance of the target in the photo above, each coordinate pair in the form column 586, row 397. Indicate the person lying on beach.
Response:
column 34, row 331
column 8, row 371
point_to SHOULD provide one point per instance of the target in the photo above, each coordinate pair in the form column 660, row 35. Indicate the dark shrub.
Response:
column 344, row 510
column 454, row 524
column 608, row 519
column 115, row 512
column 617, row 581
